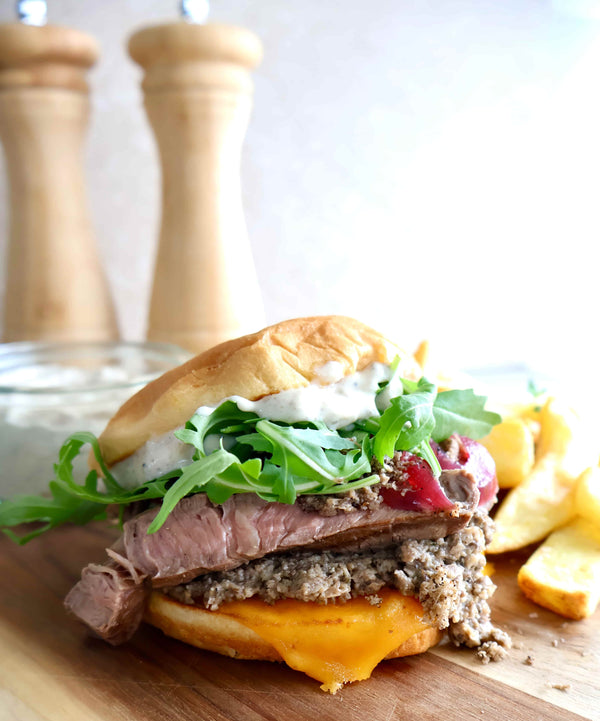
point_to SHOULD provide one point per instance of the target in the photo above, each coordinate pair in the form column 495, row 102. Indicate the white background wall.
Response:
column 428, row 166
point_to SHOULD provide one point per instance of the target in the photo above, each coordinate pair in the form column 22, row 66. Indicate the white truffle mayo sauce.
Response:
column 331, row 398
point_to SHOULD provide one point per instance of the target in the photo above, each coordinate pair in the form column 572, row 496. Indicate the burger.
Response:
column 301, row 494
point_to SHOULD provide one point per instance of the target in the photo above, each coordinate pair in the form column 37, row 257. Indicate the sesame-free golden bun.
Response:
column 221, row 633
column 283, row 356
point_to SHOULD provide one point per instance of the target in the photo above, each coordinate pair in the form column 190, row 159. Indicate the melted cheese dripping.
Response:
column 337, row 643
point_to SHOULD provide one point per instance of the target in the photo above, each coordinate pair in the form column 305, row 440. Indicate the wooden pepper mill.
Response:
column 198, row 90
column 55, row 287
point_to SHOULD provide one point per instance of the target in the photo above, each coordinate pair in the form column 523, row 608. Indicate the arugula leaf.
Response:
column 277, row 461
column 407, row 422
column 390, row 388
column 462, row 412
column 71, row 502
column 302, row 450
column 425, row 451
column 422, row 414
column 59, row 508
column 314, row 454
column 239, row 478
column 223, row 420
column 193, row 479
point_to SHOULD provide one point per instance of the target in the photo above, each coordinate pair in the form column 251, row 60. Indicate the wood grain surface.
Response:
column 50, row 668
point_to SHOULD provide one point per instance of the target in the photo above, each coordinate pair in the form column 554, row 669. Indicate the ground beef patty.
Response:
column 445, row 574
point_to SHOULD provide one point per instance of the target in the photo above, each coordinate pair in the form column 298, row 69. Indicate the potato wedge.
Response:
column 511, row 444
column 564, row 573
column 545, row 500
column 560, row 428
column 587, row 495
column 533, row 509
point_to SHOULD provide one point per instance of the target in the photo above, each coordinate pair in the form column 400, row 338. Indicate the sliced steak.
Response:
column 109, row 601
column 199, row 537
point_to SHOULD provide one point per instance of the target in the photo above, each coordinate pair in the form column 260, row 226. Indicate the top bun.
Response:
column 283, row 356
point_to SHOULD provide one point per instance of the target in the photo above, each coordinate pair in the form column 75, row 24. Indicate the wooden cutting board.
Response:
column 50, row 668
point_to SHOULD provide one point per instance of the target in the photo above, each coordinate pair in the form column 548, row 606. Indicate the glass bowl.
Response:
column 50, row 390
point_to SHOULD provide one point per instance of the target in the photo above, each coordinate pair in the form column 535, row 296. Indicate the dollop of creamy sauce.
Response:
column 156, row 457
column 331, row 398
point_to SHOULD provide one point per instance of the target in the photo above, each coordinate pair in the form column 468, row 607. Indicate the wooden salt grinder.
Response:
column 198, row 92
column 55, row 287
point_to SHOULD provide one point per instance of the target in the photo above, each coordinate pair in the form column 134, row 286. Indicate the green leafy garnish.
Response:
column 462, row 412
column 236, row 451
column 70, row 501
column 534, row 389
column 407, row 422
column 193, row 479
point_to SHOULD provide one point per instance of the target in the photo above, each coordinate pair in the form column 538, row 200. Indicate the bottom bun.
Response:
column 214, row 631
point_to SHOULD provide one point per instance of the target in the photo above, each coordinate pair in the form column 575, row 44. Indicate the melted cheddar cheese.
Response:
column 489, row 569
column 336, row 643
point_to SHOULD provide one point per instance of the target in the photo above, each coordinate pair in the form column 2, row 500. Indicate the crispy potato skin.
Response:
column 564, row 572
column 547, row 457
